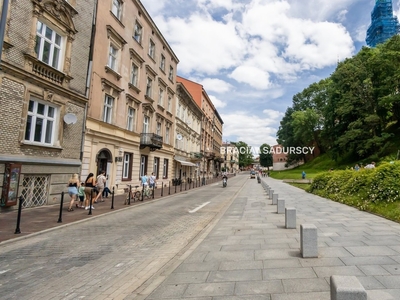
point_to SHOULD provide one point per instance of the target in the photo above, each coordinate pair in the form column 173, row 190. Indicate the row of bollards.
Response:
column 341, row 287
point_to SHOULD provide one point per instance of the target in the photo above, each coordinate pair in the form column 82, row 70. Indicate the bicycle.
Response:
column 148, row 192
column 134, row 195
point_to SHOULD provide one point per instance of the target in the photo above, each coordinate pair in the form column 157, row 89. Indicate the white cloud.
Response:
column 214, row 85
column 217, row 102
column 253, row 76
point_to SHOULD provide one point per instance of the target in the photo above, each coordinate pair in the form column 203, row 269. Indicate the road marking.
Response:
column 4, row 271
column 199, row 207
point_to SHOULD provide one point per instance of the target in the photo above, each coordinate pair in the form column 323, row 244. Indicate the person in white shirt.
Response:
column 152, row 180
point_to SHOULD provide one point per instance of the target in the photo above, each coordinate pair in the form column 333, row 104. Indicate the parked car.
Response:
column 252, row 174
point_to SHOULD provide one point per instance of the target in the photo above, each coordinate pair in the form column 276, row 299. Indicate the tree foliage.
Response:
column 266, row 156
column 245, row 154
column 352, row 113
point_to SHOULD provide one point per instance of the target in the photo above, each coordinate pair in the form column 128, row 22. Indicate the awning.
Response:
column 186, row 163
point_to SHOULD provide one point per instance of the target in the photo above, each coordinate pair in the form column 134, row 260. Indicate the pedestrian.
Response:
column 106, row 191
column 90, row 191
column 152, row 180
column 303, row 175
column 101, row 183
column 73, row 185
column 81, row 195
column 144, row 180
column 356, row 167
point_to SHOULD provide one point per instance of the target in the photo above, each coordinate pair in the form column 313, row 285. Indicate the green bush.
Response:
column 360, row 188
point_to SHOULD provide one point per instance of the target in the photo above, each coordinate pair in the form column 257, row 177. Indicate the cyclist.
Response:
column 225, row 175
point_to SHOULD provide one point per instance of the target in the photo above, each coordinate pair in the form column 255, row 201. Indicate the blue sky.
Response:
column 253, row 56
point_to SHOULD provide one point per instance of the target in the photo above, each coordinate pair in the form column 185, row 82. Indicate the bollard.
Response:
column 112, row 198
column 308, row 240
column 274, row 199
column 280, row 208
column 185, row 184
column 175, row 188
column 61, row 207
column 162, row 189
column 180, row 187
column 17, row 229
column 154, row 187
column 142, row 192
column 169, row 187
column 90, row 203
column 347, row 288
column 290, row 218
column 271, row 192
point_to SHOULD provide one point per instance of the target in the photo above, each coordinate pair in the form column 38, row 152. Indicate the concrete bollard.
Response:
column 347, row 288
column 280, row 208
column 290, row 218
column 308, row 240
column 271, row 192
column 274, row 199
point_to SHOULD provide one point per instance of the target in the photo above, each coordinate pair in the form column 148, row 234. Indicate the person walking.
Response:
column 152, row 180
column 101, row 183
column 73, row 185
column 90, row 184
column 81, row 195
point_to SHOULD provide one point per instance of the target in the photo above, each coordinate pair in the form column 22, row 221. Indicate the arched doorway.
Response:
column 104, row 161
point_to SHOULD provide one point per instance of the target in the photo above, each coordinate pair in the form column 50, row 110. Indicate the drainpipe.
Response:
column 3, row 25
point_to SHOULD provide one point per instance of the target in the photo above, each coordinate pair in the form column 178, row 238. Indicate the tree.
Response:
column 245, row 154
column 265, row 156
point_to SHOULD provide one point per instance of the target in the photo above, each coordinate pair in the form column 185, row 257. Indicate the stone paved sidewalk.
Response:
column 250, row 255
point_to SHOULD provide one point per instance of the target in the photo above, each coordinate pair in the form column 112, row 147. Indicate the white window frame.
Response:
column 48, row 131
column 143, row 163
column 130, row 123
column 152, row 49
column 165, row 168
column 116, row 9
column 113, row 53
column 41, row 39
column 158, row 129
column 126, row 166
column 149, row 87
column 161, row 97
column 138, row 32
column 171, row 73
column 169, row 104
column 134, row 75
column 162, row 62
column 178, row 110
column 167, row 135
column 146, row 124
column 108, row 109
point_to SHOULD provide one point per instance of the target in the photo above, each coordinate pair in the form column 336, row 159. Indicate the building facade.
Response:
column 230, row 154
column 131, row 111
column 187, row 136
column 43, row 91
column 211, row 130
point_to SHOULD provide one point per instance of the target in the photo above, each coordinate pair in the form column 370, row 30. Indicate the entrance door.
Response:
column 104, row 160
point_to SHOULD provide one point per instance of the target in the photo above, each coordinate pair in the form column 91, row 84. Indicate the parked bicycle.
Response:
column 148, row 192
column 134, row 195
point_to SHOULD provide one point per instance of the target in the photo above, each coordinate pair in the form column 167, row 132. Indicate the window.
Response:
column 40, row 123
column 178, row 111
column 127, row 166
column 112, row 57
column 162, row 63
column 146, row 124
column 48, row 46
column 137, row 34
column 158, row 130
column 167, row 135
column 108, row 106
column 165, row 168
column 134, row 75
column 152, row 49
column 130, row 124
column 169, row 103
column 149, row 87
column 156, row 166
column 171, row 73
column 117, row 9
column 161, row 97
column 143, row 165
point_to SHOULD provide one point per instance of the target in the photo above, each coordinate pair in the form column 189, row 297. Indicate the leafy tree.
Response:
column 265, row 156
column 245, row 154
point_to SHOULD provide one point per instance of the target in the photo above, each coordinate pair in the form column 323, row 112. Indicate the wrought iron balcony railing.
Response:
column 151, row 140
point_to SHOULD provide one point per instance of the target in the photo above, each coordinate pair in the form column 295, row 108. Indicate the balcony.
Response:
column 196, row 154
column 151, row 140
column 232, row 161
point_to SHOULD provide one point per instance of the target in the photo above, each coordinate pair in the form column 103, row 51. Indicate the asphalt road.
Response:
column 111, row 256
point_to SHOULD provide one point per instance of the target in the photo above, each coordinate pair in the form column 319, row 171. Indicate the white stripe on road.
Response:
column 199, row 207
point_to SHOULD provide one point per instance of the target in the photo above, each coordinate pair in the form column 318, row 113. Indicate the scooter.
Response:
column 224, row 182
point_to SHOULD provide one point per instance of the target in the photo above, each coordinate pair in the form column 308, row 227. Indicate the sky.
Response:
column 253, row 56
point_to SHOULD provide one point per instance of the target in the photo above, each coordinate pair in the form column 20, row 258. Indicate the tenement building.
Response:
column 131, row 112
column 44, row 67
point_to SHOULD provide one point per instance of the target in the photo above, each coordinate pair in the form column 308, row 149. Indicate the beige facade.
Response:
column 230, row 154
column 187, row 135
column 43, row 97
column 130, row 117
